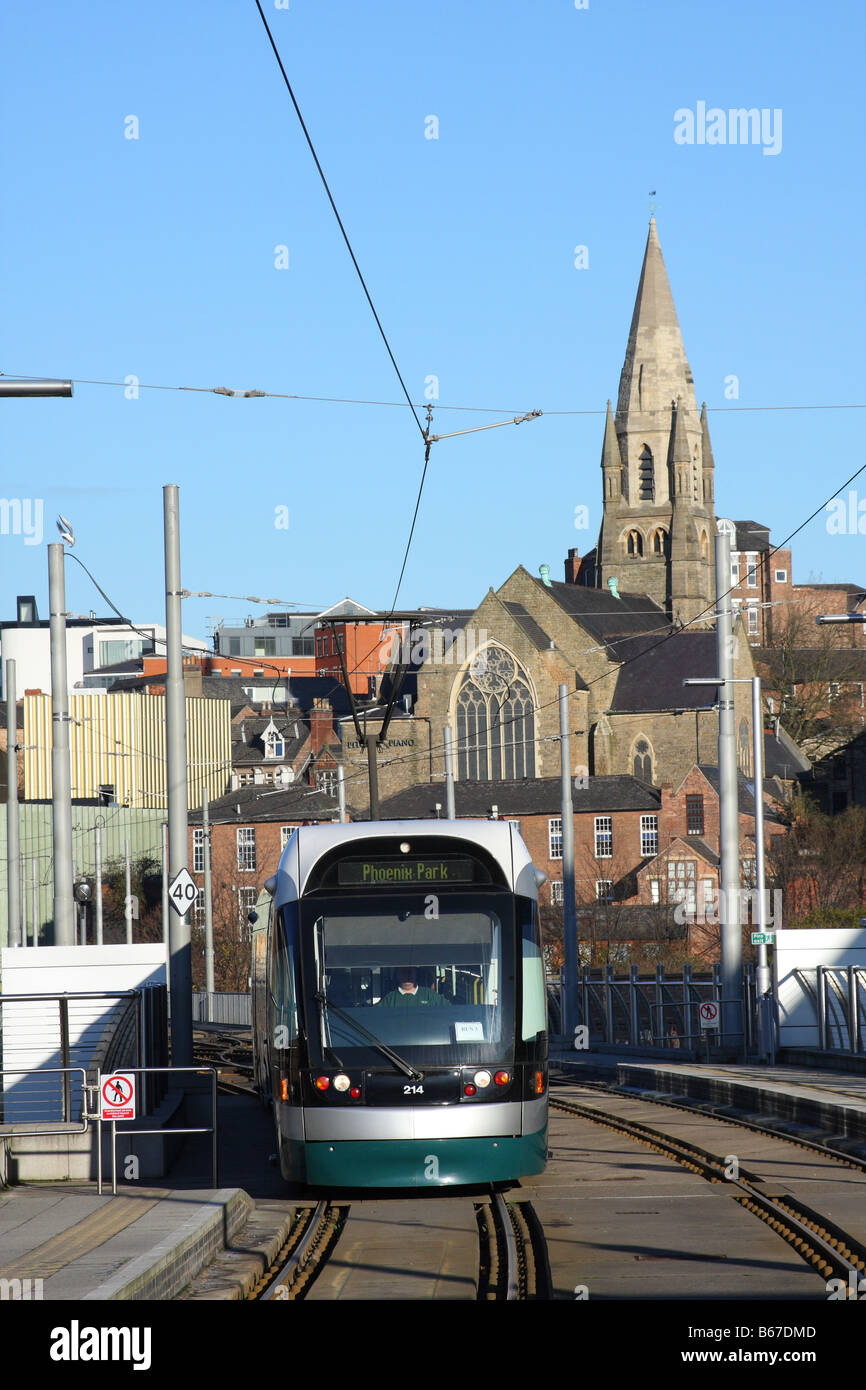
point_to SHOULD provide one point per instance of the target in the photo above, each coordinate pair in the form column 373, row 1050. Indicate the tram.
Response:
column 399, row 1005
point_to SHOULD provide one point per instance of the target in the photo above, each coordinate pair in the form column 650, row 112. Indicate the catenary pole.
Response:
column 176, row 772
column 13, row 850
column 450, row 810
column 729, row 838
column 208, row 904
column 99, row 941
column 569, row 905
column 61, row 780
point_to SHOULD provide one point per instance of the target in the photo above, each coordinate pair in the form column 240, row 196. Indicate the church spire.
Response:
column 656, row 369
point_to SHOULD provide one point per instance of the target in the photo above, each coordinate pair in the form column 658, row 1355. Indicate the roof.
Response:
column 530, row 796
column 653, row 677
column 782, row 757
column 751, row 535
column 297, row 802
column 607, row 618
column 809, row 664
column 746, row 792
column 248, row 742
column 630, row 922
column 534, row 632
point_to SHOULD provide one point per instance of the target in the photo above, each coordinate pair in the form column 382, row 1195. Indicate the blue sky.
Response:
column 155, row 258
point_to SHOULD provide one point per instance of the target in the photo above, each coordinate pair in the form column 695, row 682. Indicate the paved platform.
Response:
column 145, row 1244
column 800, row 1100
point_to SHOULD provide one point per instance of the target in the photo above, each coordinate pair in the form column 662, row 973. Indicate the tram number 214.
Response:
column 413, row 1090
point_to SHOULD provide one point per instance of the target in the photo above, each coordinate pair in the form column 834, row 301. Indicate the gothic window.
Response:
column 495, row 720
column 659, row 538
column 642, row 760
column 646, row 487
column 705, row 546
column 634, row 543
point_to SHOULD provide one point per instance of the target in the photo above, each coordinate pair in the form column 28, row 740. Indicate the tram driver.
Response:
column 409, row 992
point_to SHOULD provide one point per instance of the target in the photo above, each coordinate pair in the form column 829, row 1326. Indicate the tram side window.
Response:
column 534, row 1014
column 284, row 1001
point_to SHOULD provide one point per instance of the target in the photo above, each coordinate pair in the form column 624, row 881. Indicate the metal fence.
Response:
column 234, row 1009
column 838, row 999
column 53, row 1045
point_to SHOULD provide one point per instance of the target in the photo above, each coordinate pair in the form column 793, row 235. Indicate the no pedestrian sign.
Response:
column 709, row 1013
column 182, row 892
column 117, row 1097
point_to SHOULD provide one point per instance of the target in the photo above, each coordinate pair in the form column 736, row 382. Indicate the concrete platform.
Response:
column 146, row 1244
column 798, row 1100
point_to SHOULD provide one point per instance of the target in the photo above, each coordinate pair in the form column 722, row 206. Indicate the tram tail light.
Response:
column 502, row 1078
column 469, row 1089
column 355, row 1093
column 539, row 1083
column 284, row 1089
column 322, row 1083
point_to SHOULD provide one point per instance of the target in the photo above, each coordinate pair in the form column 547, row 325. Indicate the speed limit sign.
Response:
column 182, row 892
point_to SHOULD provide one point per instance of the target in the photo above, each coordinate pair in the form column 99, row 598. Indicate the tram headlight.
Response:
column 482, row 1079
column 341, row 1082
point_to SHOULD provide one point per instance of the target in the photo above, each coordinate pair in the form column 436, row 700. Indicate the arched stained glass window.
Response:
column 642, row 760
column 495, row 720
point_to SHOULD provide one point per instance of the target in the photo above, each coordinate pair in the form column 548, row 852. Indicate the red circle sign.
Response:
column 709, row 1010
column 117, row 1090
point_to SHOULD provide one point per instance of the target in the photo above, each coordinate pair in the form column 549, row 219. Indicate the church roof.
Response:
column 534, row 632
column 607, row 618
column 529, row 796
column 653, row 677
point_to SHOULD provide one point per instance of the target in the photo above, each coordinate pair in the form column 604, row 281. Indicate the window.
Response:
column 752, row 620
column 326, row 781
column 735, row 570
column 557, row 897
column 198, row 912
column 234, row 646
column 781, row 576
column 198, row 851
column 285, row 835
column 655, row 894
column 751, row 571
column 634, row 543
column 642, row 762
column 246, row 847
column 495, row 720
column 604, row 890
column 246, row 902
column 646, row 481
column 603, row 837
column 681, row 882
column 649, row 836
column 274, row 746
column 834, row 690
column 708, row 895
column 695, row 815
column 744, row 759
column 747, row 869
column 303, row 646
column 554, row 835
column 264, row 646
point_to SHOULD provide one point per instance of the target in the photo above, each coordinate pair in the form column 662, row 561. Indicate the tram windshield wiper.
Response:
column 400, row 1062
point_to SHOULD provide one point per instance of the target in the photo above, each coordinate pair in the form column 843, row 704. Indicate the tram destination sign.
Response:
column 379, row 873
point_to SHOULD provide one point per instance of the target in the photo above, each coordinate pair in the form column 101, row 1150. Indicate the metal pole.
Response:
column 760, row 885
column 165, row 908
column 341, row 793
column 370, row 740
column 61, row 780
column 99, row 885
column 208, row 907
column 853, row 1020
column 450, row 811
column 175, row 739
column 569, row 906
column 23, row 937
column 34, row 903
column 127, row 910
column 821, row 997
column 633, row 1015
column 10, row 936
column 729, row 837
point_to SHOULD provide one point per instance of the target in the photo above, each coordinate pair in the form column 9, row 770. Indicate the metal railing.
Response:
column 838, row 997
column 230, row 1008
column 134, row 1132
column 51, row 1096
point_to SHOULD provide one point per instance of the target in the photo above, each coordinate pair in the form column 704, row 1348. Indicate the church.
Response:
column 623, row 628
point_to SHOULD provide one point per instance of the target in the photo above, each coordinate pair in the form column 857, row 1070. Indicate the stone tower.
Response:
column 657, row 463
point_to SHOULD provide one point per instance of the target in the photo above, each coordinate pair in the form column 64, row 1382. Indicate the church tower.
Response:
column 657, row 463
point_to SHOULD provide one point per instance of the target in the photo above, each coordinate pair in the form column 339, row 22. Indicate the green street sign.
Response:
column 763, row 938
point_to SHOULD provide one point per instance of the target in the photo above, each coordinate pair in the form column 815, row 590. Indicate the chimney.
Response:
column 572, row 565
column 321, row 725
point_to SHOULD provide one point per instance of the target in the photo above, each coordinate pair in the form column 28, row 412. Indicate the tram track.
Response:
column 830, row 1251
column 722, row 1116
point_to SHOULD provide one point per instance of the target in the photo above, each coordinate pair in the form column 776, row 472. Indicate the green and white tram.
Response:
column 399, row 1005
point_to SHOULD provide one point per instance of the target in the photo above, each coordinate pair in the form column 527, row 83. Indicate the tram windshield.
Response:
column 435, row 989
